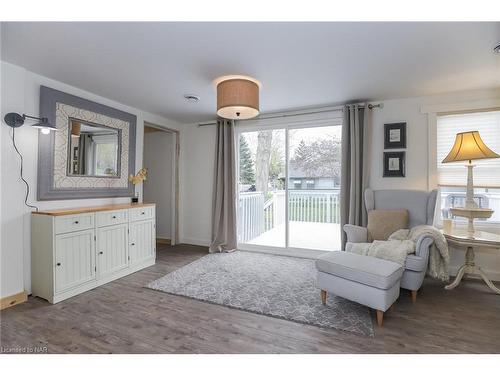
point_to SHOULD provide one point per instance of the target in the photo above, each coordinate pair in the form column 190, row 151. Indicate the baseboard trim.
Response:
column 13, row 300
column 195, row 241
column 163, row 241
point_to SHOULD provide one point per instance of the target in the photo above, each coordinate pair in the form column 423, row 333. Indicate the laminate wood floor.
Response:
column 125, row 317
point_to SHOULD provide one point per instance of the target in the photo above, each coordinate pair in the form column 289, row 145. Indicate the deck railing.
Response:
column 256, row 216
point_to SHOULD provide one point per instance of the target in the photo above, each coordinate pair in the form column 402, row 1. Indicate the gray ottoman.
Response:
column 370, row 281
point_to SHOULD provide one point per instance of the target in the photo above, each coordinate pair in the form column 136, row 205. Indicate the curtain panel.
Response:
column 356, row 146
column 224, row 229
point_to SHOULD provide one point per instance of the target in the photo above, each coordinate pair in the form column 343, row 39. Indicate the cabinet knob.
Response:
column 132, row 244
column 143, row 213
column 76, row 222
column 58, row 264
column 114, row 217
column 100, row 252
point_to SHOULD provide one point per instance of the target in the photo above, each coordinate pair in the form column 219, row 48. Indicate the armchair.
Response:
column 420, row 206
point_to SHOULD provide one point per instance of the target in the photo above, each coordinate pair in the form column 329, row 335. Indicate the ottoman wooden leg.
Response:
column 414, row 296
column 323, row 297
column 380, row 318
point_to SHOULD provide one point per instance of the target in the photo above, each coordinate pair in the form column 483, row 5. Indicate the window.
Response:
column 105, row 155
column 452, row 177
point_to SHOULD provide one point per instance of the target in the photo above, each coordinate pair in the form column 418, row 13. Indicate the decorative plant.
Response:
column 139, row 177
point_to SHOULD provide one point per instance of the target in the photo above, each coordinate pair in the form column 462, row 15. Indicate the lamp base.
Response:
column 469, row 197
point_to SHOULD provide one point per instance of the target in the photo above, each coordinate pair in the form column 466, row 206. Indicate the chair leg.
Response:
column 380, row 318
column 323, row 297
column 413, row 296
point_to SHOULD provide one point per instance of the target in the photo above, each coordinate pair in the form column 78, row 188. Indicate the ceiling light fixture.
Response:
column 192, row 98
column 237, row 97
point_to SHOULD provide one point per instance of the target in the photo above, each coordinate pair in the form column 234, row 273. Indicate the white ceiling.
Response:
column 151, row 65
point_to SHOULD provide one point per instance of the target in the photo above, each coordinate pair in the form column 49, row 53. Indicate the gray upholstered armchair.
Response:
column 420, row 206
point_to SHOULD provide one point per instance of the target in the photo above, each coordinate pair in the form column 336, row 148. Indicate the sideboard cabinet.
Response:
column 75, row 250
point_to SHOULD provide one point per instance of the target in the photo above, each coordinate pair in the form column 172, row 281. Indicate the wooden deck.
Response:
column 304, row 235
column 124, row 317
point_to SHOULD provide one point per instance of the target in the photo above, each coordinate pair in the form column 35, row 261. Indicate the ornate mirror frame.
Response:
column 53, row 181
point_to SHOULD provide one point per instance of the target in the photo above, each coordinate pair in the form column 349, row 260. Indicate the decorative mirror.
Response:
column 92, row 152
column 94, row 149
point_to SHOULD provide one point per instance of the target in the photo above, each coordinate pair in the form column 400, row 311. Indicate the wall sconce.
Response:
column 15, row 120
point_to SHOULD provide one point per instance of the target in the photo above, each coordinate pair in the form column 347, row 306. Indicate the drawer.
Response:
column 73, row 223
column 142, row 213
column 111, row 217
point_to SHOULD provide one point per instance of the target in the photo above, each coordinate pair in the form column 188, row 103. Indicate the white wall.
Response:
column 196, row 179
column 408, row 110
column 417, row 158
column 158, row 148
column 198, row 153
column 20, row 93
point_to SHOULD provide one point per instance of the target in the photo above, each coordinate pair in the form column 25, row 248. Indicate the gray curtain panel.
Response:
column 224, row 232
column 356, row 145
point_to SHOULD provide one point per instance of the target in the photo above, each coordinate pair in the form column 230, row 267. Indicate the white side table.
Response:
column 461, row 238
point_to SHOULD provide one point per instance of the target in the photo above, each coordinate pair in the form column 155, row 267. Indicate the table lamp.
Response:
column 469, row 146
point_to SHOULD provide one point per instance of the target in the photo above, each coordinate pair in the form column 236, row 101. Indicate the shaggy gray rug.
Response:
column 278, row 286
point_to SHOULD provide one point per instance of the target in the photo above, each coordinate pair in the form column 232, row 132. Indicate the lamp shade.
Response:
column 76, row 129
column 44, row 125
column 469, row 146
column 237, row 97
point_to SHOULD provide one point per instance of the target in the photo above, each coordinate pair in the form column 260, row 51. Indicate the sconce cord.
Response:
column 21, row 172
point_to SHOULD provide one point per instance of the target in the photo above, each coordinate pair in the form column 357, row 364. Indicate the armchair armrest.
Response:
column 355, row 233
column 424, row 242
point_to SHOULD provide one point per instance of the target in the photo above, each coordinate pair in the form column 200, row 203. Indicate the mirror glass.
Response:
column 94, row 149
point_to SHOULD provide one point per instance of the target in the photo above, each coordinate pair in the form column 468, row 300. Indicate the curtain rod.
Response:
column 298, row 113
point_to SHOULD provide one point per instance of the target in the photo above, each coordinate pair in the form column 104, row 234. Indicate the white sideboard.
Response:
column 75, row 250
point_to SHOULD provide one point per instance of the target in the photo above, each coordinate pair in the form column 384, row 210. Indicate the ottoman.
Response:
column 370, row 281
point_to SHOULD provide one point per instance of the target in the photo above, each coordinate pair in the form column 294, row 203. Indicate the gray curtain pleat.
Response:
column 356, row 145
column 224, row 233
column 84, row 150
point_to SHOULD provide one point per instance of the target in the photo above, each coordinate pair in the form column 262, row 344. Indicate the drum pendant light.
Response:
column 237, row 97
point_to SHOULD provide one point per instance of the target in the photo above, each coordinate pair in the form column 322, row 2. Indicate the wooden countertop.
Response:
column 82, row 210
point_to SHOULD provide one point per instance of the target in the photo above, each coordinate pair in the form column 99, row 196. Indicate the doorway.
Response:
column 160, row 157
column 289, row 187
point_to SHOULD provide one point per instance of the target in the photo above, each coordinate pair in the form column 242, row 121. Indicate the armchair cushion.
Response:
column 355, row 233
column 383, row 223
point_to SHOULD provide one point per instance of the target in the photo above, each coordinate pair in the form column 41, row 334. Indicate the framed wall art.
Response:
column 394, row 164
column 395, row 135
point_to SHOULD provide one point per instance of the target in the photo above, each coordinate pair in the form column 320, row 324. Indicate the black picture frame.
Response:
column 394, row 164
column 395, row 135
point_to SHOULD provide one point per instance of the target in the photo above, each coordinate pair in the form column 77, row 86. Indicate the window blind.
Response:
column 486, row 172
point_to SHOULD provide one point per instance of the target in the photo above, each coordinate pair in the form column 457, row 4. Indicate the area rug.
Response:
column 278, row 286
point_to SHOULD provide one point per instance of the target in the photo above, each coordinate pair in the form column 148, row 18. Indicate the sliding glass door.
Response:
column 288, row 187
column 261, row 204
column 314, row 187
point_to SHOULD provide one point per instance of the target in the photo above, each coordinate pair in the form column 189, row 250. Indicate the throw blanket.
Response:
column 403, row 242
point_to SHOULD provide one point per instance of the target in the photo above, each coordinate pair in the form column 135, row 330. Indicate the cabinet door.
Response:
column 142, row 240
column 74, row 259
column 112, row 249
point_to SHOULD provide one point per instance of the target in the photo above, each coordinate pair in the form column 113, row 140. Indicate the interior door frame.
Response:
column 174, row 230
column 286, row 123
